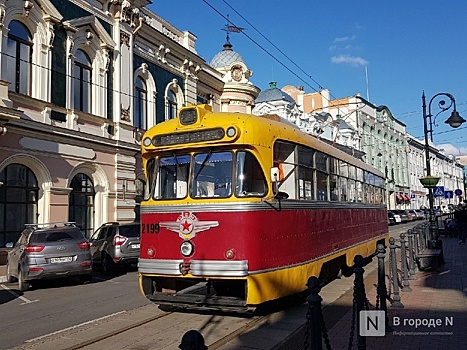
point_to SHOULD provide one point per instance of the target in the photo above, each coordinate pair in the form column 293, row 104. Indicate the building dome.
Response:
column 274, row 94
column 226, row 57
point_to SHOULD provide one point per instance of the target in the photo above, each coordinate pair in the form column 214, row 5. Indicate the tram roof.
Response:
column 265, row 129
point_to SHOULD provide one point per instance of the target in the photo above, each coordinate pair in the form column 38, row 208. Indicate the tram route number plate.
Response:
column 61, row 260
column 135, row 246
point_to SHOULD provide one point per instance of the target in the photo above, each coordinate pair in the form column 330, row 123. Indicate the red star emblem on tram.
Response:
column 187, row 225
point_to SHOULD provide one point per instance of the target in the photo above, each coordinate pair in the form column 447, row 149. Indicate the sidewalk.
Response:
column 434, row 315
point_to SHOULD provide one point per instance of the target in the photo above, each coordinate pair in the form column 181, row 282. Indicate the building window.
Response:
column 82, row 80
column 81, row 203
column 18, row 58
column 140, row 104
column 172, row 105
column 19, row 194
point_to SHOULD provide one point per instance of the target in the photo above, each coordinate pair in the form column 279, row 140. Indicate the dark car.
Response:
column 114, row 244
column 48, row 251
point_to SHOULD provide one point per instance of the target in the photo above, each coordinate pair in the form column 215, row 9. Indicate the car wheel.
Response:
column 22, row 284
column 9, row 276
column 85, row 279
column 107, row 265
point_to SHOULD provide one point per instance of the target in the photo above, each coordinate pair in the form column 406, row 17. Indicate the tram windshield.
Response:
column 209, row 174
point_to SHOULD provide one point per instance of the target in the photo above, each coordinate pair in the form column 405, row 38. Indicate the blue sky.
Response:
column 406, row 47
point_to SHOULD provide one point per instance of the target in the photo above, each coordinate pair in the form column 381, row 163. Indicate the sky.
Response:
column 389, row 52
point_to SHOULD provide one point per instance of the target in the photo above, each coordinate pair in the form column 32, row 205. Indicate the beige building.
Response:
column 79, row 85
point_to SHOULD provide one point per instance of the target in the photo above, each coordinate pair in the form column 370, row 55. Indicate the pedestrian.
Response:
column 461, row 219
column 192, row 340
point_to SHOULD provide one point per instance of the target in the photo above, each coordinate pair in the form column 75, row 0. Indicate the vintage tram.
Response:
column 242, row 209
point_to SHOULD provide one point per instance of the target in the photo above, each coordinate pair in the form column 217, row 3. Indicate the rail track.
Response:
column 148, row 327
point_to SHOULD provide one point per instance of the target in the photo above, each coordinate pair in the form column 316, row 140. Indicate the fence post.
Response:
column 396, row 300
column 405, row 275
column 411, row 257
column 314, row 315
column 360, row 297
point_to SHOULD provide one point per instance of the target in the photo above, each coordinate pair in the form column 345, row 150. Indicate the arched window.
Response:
column 18, row 58
column 18, row 201
column 81, row 203
column 82, row 82
column 172, row 105
column 140, row 111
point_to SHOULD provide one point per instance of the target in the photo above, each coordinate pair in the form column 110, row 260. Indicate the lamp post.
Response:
column 455, row 120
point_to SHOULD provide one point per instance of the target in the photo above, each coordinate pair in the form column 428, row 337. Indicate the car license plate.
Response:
column 135, row 245
column 61, row 260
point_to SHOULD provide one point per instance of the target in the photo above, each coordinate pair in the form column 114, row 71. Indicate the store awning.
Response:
column 406, row 197
column 399, row 197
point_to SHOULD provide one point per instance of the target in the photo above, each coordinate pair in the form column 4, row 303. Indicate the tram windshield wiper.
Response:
column 203, row 163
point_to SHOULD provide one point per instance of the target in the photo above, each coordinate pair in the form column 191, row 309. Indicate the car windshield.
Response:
column 129, row 230
column 56, row 236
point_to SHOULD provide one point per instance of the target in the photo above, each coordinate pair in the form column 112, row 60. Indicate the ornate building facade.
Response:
column 80, row 82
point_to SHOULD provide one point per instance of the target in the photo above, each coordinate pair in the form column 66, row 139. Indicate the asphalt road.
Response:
column 57, row 305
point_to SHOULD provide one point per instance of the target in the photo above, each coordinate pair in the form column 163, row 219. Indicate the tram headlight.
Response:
column 231, row 131
column 147, row 142
column 186, row 248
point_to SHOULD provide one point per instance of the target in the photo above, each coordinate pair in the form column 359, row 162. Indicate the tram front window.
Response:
column 212, row 175
column 173, row 177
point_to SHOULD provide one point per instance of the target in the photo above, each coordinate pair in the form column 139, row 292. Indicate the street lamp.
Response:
column 455, row 120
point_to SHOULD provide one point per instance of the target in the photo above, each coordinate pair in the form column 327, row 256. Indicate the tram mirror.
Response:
column 275, row 174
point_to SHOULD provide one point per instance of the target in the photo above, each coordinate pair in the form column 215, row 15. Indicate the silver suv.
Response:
column 45, row 251
column 115, row 244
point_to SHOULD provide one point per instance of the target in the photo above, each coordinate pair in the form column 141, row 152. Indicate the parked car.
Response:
column 48, row 251
column 391, row 219
column 114, row 244
column 397, row 217
column 404, row 214
column 417, row 214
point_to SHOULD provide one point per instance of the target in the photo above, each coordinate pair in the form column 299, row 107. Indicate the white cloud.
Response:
column 344, row 38
column 451, row 149
column 347, row 59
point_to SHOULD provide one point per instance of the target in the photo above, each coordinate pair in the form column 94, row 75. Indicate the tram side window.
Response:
column 343, row 189
column 352, row 191
column 334, row 183
column 321, row 164
column 173, row 177
column 284, row 158
column 250, row 180
column 151, row 175
column 306, row 186
column 212, row 175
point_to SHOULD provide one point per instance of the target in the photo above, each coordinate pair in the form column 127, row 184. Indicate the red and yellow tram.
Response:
column 242, row 209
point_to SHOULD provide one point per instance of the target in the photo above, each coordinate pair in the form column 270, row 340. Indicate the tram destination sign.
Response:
column 188, row 137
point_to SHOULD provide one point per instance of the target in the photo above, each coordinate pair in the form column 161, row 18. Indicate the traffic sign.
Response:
column 438, row 191
column 448, row 194
column 458, row 192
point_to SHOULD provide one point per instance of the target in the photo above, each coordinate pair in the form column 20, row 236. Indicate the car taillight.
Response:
column 119, row 240
column 84, row 245
column 30, row 248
